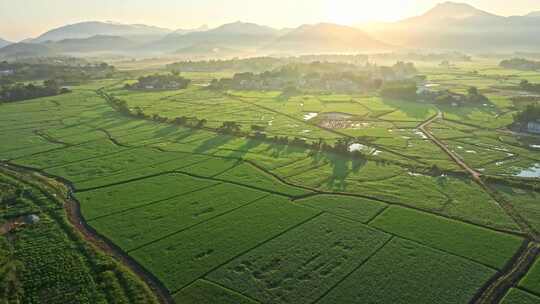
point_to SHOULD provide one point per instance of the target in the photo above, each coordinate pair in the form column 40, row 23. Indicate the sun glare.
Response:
column 352, row 12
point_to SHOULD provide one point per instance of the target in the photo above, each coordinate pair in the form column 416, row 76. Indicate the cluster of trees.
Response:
column 341, row 146
column 474, row 96
column 244, row 65
column 406, row 90
column 530, row 113
column 530, row 87
column 171, row 81
column 318, row 77
column 447, row 97
column 429, row 57
column 63, row 71
column 520, row 64
column 261, row 64
column 19, row 91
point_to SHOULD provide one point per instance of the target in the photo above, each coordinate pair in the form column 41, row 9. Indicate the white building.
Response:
column 533, row 127
column 6, row 72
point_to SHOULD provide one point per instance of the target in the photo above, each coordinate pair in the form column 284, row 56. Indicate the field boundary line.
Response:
column 369, row 226
column 197, row 224
column 507, row 207
column 127, row 181
column 469, row 259
column 223, row 287
column 316, row 192
column 50, row 139
column 534, row 293
column 390, row 238
column 135, row 169
column 70, row 145
column 190, row 175
column 374, row 217
column 333, row 131
column 253, row 248
column 498, row 286
column 432, row 212
column 151, row 203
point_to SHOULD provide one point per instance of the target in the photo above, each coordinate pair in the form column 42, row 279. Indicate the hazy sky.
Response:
column 21, row 19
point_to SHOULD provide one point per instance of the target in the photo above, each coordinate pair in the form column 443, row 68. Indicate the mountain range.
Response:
column 89, row 29
column 232, row 35
column 459, row 26
column 3, row 43
column 533, row 14
column 447, row 26
column 326, row 38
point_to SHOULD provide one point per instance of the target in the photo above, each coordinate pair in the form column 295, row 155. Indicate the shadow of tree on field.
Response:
column 342, row 167
column 464, row 113
column 416, row 110
column 281, row 150
column 111, row 120
column 213, row 143
column 163, row 132
column 442, row 182
column 248, row 145
column 180, row 137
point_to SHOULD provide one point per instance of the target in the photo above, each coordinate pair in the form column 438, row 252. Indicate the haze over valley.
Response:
column 448, row 26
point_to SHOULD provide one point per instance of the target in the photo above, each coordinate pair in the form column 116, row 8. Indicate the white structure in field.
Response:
column 534, row 127
column 6, row 72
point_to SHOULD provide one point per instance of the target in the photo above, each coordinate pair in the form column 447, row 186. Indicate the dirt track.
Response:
column 516, row 269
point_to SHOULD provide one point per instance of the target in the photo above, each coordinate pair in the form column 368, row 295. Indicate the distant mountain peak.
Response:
column 88, row 29
column 455, row 10
column 326, row 38
column 533, row 14
column 4, row 43
column 240, row 27
column 201, row 28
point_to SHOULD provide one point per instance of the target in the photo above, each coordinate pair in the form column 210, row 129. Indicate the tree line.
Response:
column 20, row 91
column 318, row 77
column 171, row 81
column 66, row 72
column 341, row 146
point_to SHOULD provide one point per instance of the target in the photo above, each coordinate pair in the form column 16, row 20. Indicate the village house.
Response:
column 534, row 126
column 6, row 72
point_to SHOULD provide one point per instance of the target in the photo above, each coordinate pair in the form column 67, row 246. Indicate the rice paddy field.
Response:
column 224, row 219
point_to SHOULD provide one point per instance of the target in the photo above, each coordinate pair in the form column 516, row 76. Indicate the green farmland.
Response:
column 213, row 216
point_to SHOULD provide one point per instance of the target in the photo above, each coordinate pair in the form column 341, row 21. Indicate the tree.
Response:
column 230, row 127
column 530, row 113
column 400, row 90
column 201, row 123
column 180, row 120
column 524, row 84
column 341, row 145
column 257, row 128
column 19, row 91
column 473, row 95
column 472, row 91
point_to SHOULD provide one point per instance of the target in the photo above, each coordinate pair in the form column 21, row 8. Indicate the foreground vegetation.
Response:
column 44, row 260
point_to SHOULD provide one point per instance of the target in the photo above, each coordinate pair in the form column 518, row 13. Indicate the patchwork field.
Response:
column 221, row 218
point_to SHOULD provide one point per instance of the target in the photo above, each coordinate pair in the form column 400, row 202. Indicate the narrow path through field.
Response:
column 498, row 286
column 510, row 276
column 423, row 127
column 477, row 177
